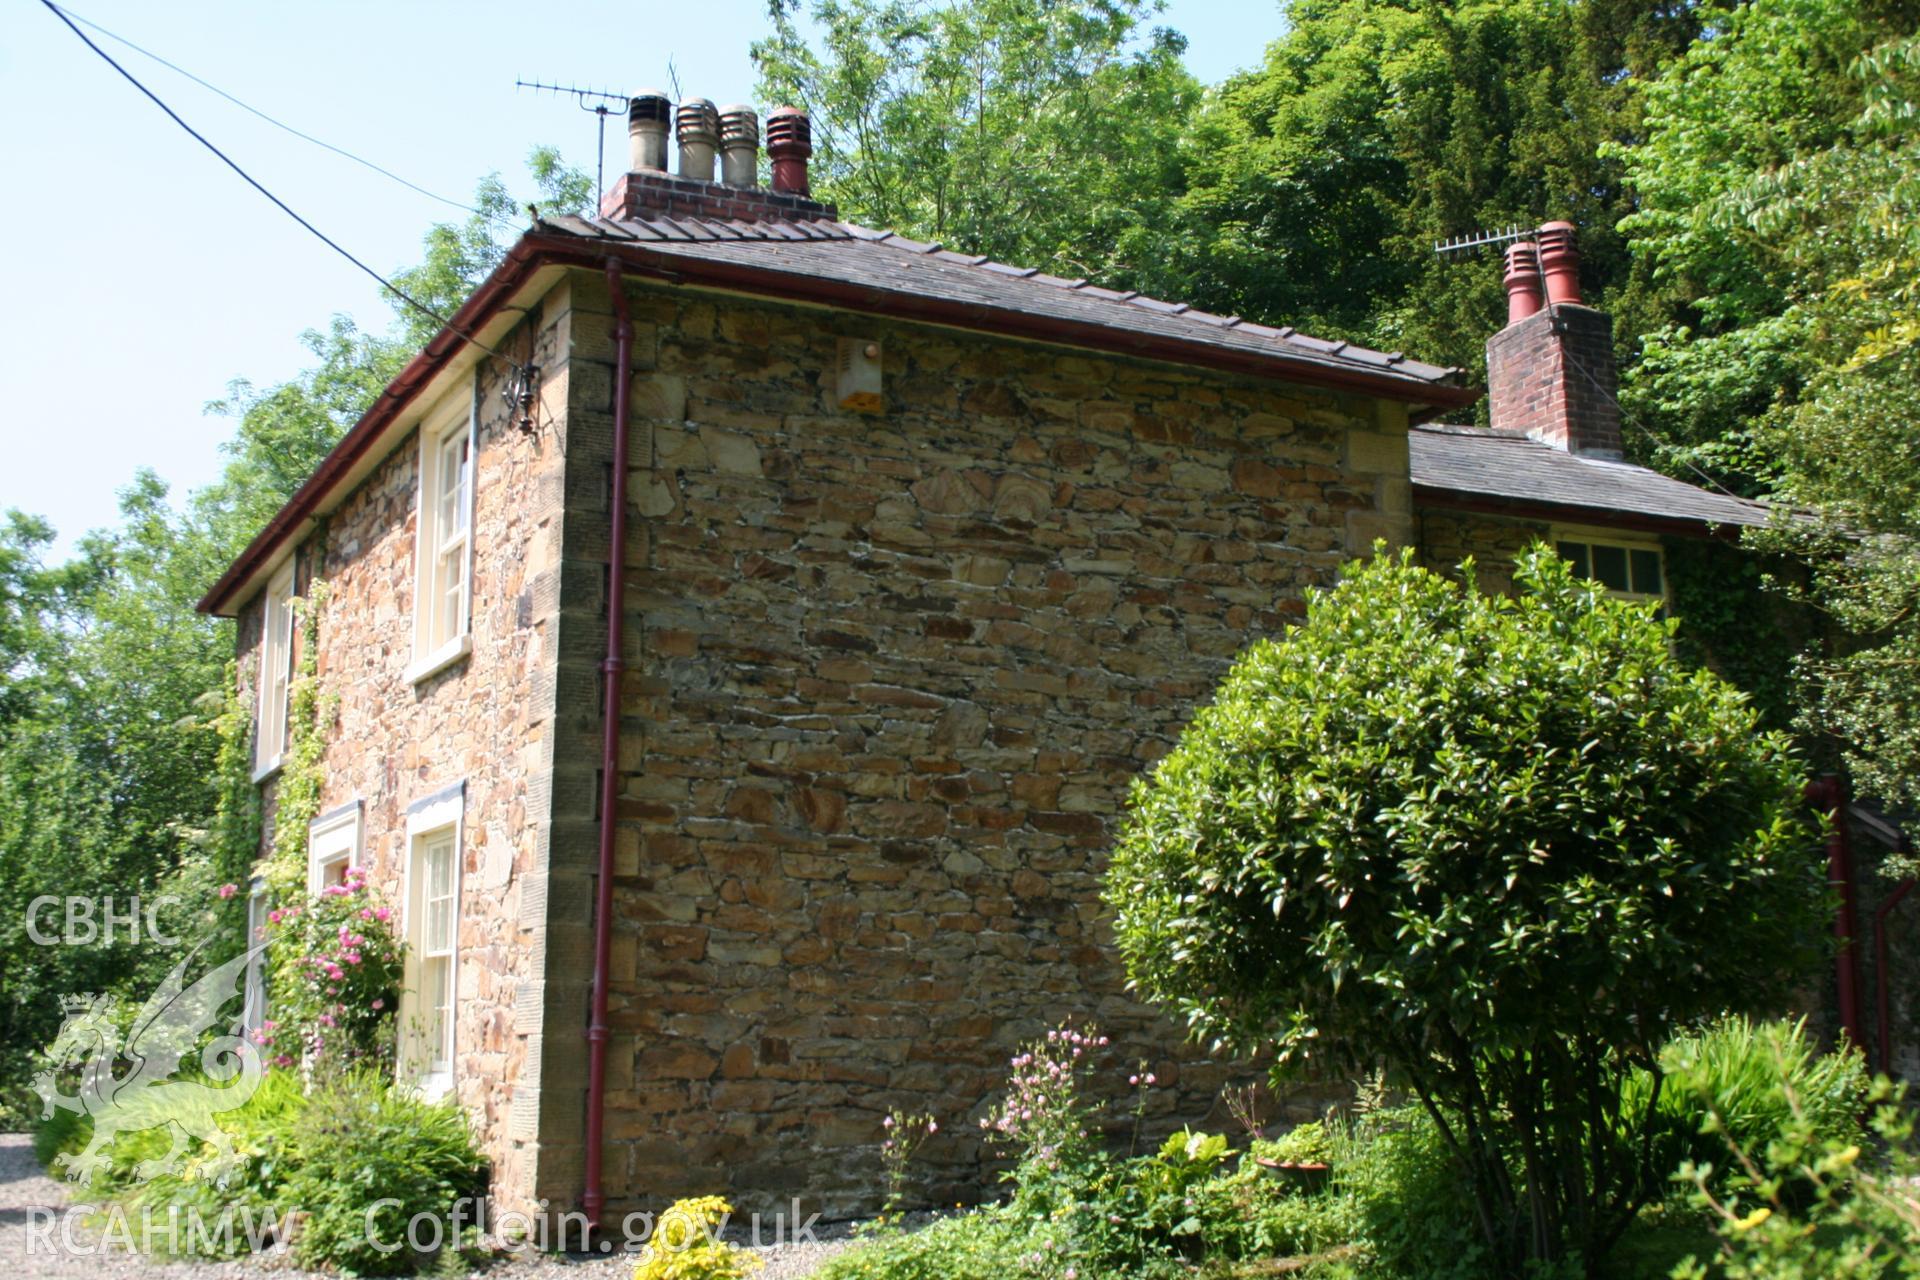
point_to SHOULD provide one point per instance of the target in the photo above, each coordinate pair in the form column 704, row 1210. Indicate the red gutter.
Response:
column 1829, row 794
column 1883, row 1013
column 538, row 249
column 594, row 1197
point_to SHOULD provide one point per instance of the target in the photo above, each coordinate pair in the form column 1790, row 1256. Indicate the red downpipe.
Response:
column 1829, row 794
column 1883, row 984
column 594, row 1197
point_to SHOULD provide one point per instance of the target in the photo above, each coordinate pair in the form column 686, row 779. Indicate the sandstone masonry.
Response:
column 889, row 678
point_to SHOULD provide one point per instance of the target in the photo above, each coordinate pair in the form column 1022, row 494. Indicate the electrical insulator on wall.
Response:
column 859, row 383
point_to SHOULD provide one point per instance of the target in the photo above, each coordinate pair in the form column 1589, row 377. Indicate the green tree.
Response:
column 1317, row 183
column 1777, row 243
column 111, row 718
column 1039, row 132
column 1505, row 846
column 1728, row 263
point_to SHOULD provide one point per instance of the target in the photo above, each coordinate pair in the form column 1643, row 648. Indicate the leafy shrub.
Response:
column 59, row 1132
column 1497, row 843
column 1742, row 1082
column 1860, row 1218
column 1397, row 1190
column 337, row 972
column 251, row 1194
column 686, row 1245
column 329, row 1155
column 370, row 1159
column 1079, row 1209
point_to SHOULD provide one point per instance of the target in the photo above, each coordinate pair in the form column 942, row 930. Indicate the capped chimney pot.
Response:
column 790, row 146
column 740, row 146
column 1560, row 263
column 649, row 115
column 1523, row 281
column 698, row 127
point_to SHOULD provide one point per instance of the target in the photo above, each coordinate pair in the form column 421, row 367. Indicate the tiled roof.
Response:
column 1513, row 469
column 885, row 263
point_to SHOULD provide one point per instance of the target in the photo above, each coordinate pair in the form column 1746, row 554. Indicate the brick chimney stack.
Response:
column 1550, row 372
column 706, row 133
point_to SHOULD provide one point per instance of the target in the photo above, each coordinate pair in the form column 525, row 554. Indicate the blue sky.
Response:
column 145, row 275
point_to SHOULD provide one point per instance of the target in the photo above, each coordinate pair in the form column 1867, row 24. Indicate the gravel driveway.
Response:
column 34, row 1235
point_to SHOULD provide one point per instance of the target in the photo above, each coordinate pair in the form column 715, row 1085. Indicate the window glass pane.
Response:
column 1646, row 572
column 464, row 478
column 437, row 975
column 452, row 515
column 1575, row 554
column 452, row 587
column 1610, row 567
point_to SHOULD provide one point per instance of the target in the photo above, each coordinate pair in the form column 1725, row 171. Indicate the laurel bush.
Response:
column 1505, row 845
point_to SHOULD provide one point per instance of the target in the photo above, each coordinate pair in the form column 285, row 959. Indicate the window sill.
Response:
column 440, row 659
column 267, row 770
column 435, row 1085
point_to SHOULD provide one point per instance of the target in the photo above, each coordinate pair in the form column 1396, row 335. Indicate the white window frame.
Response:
column 1592, row 537
column 333, row 839
column 253, row 1009
column 438, row 642
column 438, row 820
column 275, row 685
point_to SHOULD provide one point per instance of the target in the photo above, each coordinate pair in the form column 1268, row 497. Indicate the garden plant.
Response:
column 1504, row 846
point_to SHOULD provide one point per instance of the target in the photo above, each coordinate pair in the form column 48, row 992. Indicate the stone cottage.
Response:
column 743, row 628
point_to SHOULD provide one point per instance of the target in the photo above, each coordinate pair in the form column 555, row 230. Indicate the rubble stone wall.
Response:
column 889, row 678
column 485, row 721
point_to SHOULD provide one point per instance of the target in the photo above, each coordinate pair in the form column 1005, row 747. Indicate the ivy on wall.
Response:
column 309, row 712
column 1733, row 623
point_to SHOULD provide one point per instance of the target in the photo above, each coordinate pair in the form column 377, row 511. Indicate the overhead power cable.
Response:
column 253, row 182
column 278, row 124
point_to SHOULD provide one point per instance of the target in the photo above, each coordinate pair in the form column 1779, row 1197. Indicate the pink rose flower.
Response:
column 228, row 890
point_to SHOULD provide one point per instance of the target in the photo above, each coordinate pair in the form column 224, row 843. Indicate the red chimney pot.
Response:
column 1523, row 281
column 1560, row 263
column 789, row 146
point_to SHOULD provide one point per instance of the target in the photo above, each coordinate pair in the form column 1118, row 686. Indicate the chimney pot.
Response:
column 649, row 114
column 740, row 146
column 1523, row 281
column 698, row 127
column 790, row 146
column 1560, row 263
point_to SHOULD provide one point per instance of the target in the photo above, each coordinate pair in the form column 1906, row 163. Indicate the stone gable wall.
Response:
column 889, row 679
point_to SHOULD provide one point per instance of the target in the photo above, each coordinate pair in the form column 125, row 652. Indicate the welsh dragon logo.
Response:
column 144, row 1094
